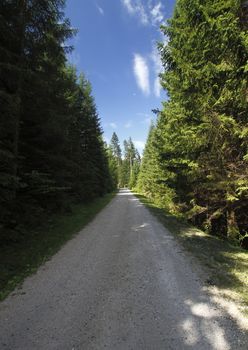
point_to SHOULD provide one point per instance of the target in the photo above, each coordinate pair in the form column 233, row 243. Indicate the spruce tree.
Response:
column 200, row 145
column 51, row 147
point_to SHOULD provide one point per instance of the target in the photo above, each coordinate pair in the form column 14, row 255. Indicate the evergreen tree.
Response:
column 130, row 165
column 135, row 170
column 210, row 110
column 115, row 159
column 201, row 143
column 115, row 147
column 51, row 147
column 31, row 50
column 153, row 179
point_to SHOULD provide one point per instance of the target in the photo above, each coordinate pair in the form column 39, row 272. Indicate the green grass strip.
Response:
column 226, row 264
column 22, row 258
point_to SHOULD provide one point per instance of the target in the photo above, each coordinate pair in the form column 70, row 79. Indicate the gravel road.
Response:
column 122, row 283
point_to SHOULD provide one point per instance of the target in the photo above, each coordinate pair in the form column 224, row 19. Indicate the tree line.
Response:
column 124, row 165
column 195, row 159
column 51, row 149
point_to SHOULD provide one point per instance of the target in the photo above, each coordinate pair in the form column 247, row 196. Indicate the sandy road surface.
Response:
column 122, row 283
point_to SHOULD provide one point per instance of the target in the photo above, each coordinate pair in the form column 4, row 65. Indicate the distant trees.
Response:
column 115, row 148
column 195, row 159
column 51, row 147
column 115, row 161
column 124, row 169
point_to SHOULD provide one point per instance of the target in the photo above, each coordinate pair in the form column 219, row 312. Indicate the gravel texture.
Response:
column 122, row 283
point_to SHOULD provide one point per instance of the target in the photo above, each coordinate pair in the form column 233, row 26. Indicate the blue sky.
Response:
column 116, row 49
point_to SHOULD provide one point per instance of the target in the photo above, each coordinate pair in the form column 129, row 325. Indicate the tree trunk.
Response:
column 232, row 227
column 22, row 6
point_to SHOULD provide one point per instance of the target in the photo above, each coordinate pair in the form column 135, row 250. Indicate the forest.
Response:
column 52, row 152
column 124, row 165
column 195, row 159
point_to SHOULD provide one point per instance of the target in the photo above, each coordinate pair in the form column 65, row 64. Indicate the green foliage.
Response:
column 195, row 157
column 114, row 156
column 152, row 179
column 224, row 263
column 51, row 148
column 29, row 251
column 130, row 165
column 124, row 170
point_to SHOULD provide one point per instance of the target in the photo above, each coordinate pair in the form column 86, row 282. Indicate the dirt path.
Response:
column 122, row 283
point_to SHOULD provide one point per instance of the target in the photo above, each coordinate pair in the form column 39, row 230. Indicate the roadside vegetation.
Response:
column 226, row 264
column 54, row 164
column 124, row 164
column 195, row 161
column 23, row 256
column 54, row 167
column 194, row 169
column 52, row 153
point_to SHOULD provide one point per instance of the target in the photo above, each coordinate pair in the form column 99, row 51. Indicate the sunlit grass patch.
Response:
column 225, row 264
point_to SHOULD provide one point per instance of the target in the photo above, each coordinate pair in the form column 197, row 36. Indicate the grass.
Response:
column 225, row 264
column 23, row 257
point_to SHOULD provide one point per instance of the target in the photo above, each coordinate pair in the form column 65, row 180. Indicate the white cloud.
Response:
column 157, row 67
column 141, row 72
column 106, row 139
column 157, row 87
column 142, row 13
column 147, row 120
column 155, row 57
column 165, row 40
column 140, row 145
column 135, row 7
column 147, row 12
column 129, row 6
column 113, row 125
column 100, row 9
column 156, row 14
column 128, row 125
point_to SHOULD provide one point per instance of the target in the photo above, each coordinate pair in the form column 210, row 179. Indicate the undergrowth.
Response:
column 226, row 264
column 22, row 257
